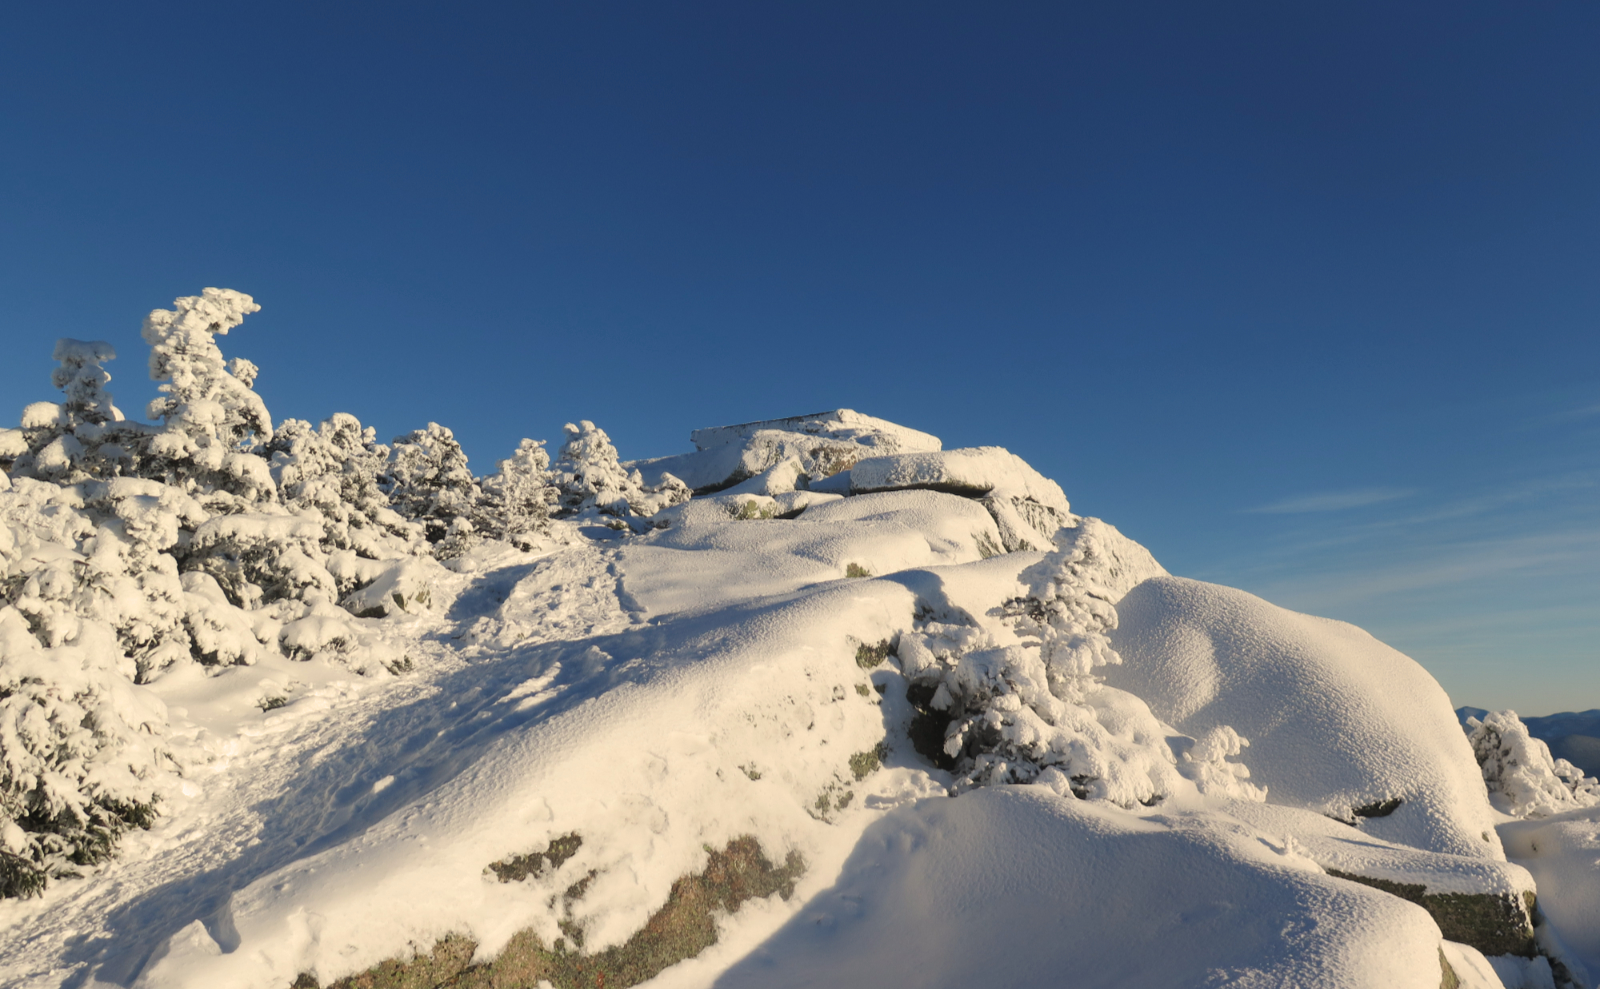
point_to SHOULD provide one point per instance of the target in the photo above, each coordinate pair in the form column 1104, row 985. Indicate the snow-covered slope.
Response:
column 861, row 711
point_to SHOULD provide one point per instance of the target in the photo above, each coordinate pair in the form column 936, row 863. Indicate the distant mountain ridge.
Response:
column 1571, row 735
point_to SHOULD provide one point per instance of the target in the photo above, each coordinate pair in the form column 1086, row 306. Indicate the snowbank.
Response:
column 1017, row 887
column 1337, row 721
column 1563, row 854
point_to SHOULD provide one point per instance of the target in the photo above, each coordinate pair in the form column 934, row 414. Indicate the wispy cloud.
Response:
column 1332, row 501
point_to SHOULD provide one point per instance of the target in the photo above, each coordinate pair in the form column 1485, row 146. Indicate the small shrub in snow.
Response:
column 1033, row 711
column 1522, row 777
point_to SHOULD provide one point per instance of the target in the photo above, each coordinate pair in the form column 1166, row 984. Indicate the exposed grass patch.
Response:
column 272, row 703
column 870, row 656
column 752, row 510
column 864, row 764
column 856, row 570
column 835, row 796
column 520, row 867
column 681, row 929
column 863, row 690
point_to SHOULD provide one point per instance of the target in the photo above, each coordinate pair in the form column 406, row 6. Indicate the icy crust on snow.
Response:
column 1019, row 887
column 1337, row 721
column 645, row 743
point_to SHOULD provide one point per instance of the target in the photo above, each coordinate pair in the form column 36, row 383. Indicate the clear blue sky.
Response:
column 1304, row 297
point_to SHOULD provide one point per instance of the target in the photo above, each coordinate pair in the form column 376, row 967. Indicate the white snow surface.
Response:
column 1563, row 854
column 662, row 692
column 1337, row 721
column 1019, row 887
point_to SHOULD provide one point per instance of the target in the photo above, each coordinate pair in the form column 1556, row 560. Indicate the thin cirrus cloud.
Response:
column 1332, row 501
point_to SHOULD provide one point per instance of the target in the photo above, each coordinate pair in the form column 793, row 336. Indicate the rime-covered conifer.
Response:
column 212, row 422
column 590, row 478
column 428, row 480
column 516, row 500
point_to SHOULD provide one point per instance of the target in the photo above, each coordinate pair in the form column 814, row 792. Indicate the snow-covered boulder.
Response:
column 1027, row 506
column 1337, row 721
column 823, row 444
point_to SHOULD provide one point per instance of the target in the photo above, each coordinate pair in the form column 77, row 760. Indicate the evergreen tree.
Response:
column 212, row 422
column 428, row 481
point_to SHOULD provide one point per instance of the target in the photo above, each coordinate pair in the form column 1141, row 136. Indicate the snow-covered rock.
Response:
column 1017, row 886
column 823, row 444
column 1338, row 722
column 1027, row 506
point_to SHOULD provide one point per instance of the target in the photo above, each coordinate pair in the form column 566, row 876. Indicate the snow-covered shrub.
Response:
column 337, row 469
column 78, row 744
column 590, row 479
column 516, row 501
column 1522, row 777
column 84, row 436
column 127, row 549
column 1033, row 711
column 428, row 481
column 212, row 422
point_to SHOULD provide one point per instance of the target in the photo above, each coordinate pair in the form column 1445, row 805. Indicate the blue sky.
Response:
column 1303, row 299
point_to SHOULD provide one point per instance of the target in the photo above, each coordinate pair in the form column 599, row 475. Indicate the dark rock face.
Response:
column 1494, row 923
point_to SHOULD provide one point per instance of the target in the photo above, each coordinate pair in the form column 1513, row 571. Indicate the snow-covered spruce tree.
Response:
column 516, row 500
column 590, row 480
column 428, row 481
column 1032, row 710
column 1522, row 777
column 336, row 470
column 84, row 436
column 213, row 424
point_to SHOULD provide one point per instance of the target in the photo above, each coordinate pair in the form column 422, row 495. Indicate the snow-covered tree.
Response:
column 590, row 479
column 336, row 469
column 84, row 436
column 516, row 501
column 428, row 481
column 78, row 743
column 212, row 422
column 1522, row 777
